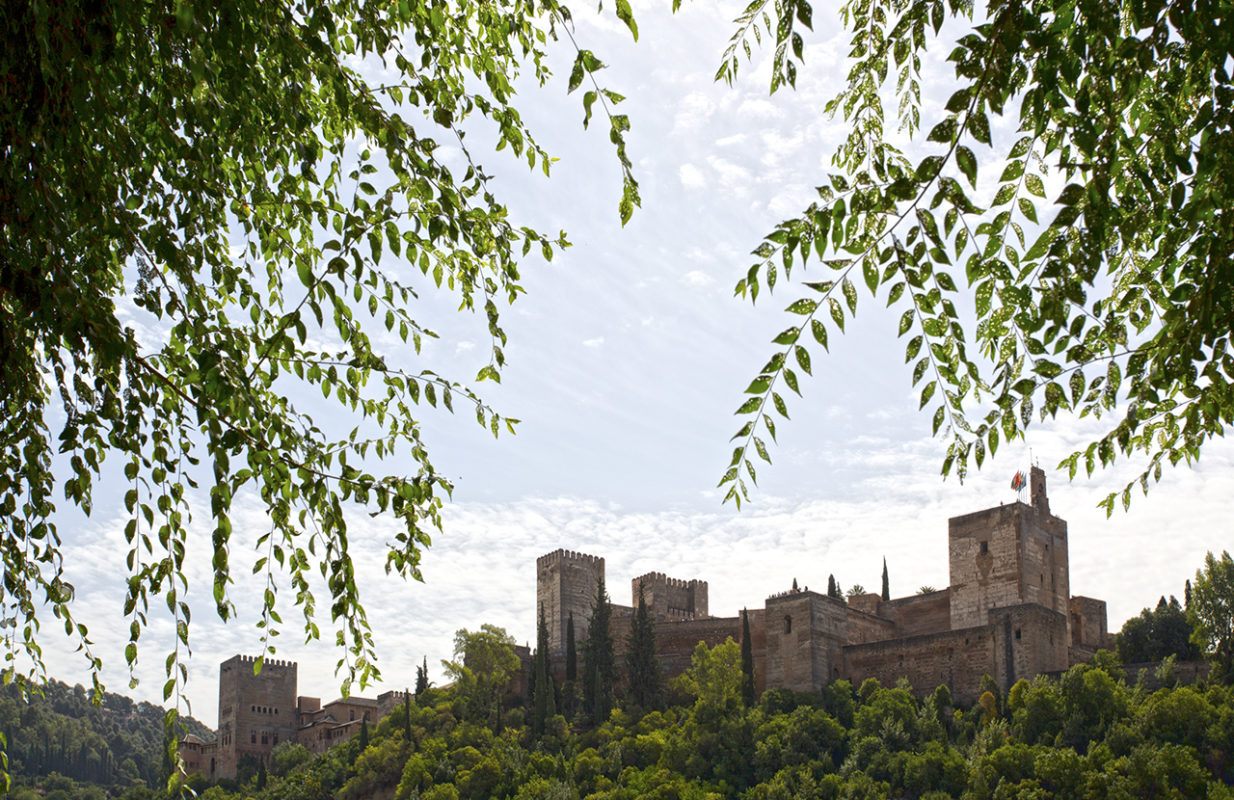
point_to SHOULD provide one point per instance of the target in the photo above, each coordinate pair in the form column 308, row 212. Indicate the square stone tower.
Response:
column 1008, row 556
column 670, row 598
column 256, row 712
column 566, row 582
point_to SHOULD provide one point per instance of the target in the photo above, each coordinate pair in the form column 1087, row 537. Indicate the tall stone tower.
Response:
column 670, row 598
column 566, row 582
column 1008, row 556
column 256, row 712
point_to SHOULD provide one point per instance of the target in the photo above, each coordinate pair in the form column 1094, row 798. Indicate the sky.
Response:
column 627, row 358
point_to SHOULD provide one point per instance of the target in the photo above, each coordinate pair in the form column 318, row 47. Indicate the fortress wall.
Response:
column 919, row 614
column 1088, row 622
column 676, row 640
column 957, row 659
column 805, row 632
column 864, row 627
column 1029, row 640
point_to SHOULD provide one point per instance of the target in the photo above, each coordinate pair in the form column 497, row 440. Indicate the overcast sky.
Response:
column 627, row 358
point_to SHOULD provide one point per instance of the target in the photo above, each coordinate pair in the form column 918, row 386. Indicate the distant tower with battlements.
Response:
column 670, row 598
column 256, row 711
column 566, row 582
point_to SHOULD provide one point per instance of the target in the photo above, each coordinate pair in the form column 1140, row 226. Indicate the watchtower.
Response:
column 566, row 582
column 670, row 598
column 1007, row 556
column 256, row 711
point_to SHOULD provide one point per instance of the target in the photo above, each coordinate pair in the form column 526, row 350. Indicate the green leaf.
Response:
column 820, row 332
column 967, row 163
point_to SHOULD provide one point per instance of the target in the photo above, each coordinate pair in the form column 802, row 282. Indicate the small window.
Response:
column 1017, row 634
column 985, row 548
column 253, row 737
column 788, row 624
column 353, row 715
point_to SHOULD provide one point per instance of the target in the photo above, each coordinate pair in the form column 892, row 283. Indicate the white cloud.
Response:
column 596, row 342
column 691, row 177
column 696, row 278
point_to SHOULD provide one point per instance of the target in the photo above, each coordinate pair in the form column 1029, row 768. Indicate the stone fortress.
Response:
column 256, row 712
column 1008, row 613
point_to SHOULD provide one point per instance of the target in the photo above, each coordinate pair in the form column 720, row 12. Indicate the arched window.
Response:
column 788, row 623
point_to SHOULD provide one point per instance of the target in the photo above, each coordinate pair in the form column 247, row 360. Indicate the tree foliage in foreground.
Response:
column 211, row 214
column 1092, row 244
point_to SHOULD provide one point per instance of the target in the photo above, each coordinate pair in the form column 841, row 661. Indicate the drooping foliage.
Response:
column 1070, row 190
column 211, row 213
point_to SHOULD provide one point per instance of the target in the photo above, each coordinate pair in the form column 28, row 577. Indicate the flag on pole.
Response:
column 1018, row 482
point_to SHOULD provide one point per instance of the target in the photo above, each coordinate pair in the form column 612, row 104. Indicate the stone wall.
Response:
column 256, row 712
column 805, row 632
column 956, row 659
column 1088, row 623
column 919, row 614
column 861, row 627
column 1028, row 640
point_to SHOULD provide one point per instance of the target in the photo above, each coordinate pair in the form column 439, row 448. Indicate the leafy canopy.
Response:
column 1092, row 244
column 209, row 215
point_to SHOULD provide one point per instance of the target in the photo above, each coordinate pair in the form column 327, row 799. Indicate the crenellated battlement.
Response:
column 563, row 555
column 275, row 663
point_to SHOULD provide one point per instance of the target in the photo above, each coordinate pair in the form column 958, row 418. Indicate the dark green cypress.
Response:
column 543, row 706
column 747, row 661
column 886, row 583
column 422, row 683
column 363, row 736
column 642, row 663
column 407, row 715
column 571, row 651
column 598, row 660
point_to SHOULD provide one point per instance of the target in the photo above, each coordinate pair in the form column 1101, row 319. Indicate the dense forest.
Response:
column 1086, row 734
column 61, row 732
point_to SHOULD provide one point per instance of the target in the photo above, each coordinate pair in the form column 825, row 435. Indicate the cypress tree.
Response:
column 886, row 584
column 363, row 737
column 571, row 652
column 747, row 661
column 598, row 660
column 831, row 586
column 422, row 683
column 642, row 663
column 543, row 708
column 569, row 692
column 407, row 715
